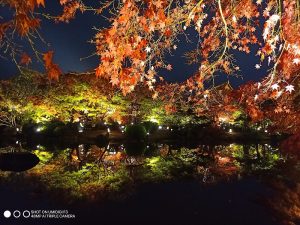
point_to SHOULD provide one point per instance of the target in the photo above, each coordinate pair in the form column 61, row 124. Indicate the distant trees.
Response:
column 30, row 97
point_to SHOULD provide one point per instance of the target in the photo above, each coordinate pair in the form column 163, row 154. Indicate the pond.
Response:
column 152, row 183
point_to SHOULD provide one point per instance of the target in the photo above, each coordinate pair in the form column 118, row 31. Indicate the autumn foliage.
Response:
column 133, row 47
column 52, row 69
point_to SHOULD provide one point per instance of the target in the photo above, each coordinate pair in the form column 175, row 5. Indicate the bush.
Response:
column 136, row 132
column 135, row 148
column 150, row 126
column 28, row 128
column 69, row 128
column 46, row 128
column 52, row 127
column 102, row 141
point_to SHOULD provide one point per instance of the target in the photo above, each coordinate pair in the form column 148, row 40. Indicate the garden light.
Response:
column 39, row 129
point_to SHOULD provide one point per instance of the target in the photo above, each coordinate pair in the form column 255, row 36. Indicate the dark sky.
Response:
column 70, row 43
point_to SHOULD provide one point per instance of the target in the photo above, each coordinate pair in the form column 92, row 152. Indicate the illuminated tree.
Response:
column 18, row 96
column 133, row 47
column 141, row 32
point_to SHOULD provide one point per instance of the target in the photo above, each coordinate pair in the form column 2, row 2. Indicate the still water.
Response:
column 153, row 183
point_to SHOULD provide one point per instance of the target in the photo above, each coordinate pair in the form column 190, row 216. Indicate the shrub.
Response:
column 150, row 126
column 136, row 132
column 52, row 127
column 135, row 148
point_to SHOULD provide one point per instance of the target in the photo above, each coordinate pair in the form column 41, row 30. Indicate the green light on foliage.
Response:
column 43, row 156
column 153, row 161
column 153, row 119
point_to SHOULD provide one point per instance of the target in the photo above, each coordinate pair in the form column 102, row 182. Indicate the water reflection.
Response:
column 160, row 161
column 89, row 171
column 249, row 156
column 17, row 161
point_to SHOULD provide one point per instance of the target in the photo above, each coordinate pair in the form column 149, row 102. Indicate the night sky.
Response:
column 70, row 43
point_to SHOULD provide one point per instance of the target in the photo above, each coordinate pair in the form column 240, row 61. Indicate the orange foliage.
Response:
column 25, row 59
column 291, row 145
column 70, row 9
column 53, row 71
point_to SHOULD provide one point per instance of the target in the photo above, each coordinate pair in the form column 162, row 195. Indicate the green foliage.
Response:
column 86, row 182
column 44, row 156
column 118, row 180
column 33, row 99
column 150, row 127
column 182, row 164
column 135, row 148
column 70, row 179
column 53, row 127
column 241, row 119
column 136, row 132
column 253, row 158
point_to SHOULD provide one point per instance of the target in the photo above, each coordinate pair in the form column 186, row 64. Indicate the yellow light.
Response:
column 39, row 129
column 154, row 120
column 153, row 161
column 222, row 119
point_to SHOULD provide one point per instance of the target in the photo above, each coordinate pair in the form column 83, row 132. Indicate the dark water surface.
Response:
column 236, row 184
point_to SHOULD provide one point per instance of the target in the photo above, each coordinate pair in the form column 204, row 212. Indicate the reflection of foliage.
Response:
column 287, row 204
column 97, row 176
column 259, row 157
column 291, row 145
column 181, row 164
column 92, row 180
column 286, row 198
column 135, row 148
column 159, row 168
column 43, row 156
column 116, row 181
column 87, row 182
